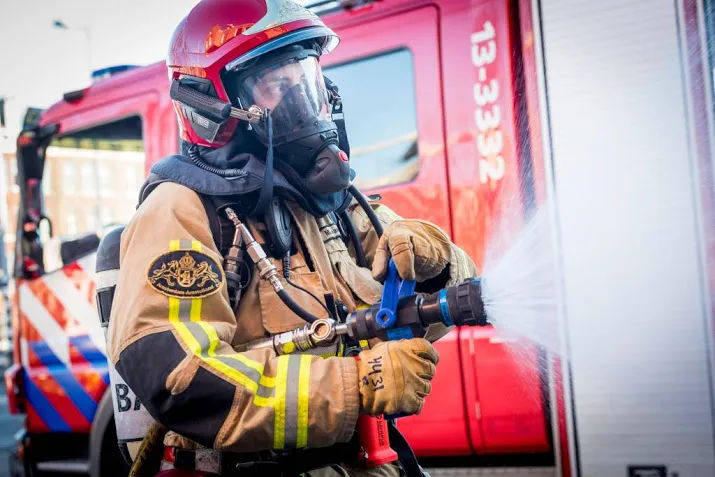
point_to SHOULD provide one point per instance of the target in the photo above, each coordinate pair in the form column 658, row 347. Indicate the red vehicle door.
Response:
column 388, row 73
column 491, row 187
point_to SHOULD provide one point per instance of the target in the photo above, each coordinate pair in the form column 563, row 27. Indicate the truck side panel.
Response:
column 626, row 206
column 61, row 346
column 62, row 349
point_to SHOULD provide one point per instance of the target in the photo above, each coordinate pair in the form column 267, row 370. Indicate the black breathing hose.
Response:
column 286, row 275
column 377, row 225
column 200, row 162
column 263, row 198
column 350, row 229
column 295, row 307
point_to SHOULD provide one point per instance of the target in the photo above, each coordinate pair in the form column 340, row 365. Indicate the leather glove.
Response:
column 395, row 376
column 421, row 250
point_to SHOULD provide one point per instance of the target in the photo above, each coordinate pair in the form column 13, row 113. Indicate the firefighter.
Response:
column 187, row 295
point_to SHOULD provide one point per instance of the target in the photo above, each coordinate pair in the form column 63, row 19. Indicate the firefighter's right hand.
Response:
column 395, row 376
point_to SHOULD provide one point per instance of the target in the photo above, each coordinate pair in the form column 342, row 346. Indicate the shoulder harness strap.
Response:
column 221, row 227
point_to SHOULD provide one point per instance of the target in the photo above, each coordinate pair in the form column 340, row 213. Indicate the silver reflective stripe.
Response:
column 202, row 338
column 185, row 310
column 185, row 244
column 291, row 405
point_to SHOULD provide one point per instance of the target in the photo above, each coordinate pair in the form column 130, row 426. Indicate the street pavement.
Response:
column 8, row 426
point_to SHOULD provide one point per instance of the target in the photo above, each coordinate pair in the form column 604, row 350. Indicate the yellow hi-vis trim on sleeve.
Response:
column 279, row 429
column 303, row 401
column 287, row 393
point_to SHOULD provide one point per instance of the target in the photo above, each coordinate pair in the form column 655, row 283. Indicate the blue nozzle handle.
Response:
column 393, row 289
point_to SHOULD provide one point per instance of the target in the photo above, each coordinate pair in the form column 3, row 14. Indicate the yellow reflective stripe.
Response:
column 213, row 338
column 210, row 330
column 261, row 401
column 279, row 382
column 175, row 245
column 196, row 309
column 195, row 348
column 174, row 309
column 223, row 367
column 267, row 381
column 279, row 428
column 303, row 398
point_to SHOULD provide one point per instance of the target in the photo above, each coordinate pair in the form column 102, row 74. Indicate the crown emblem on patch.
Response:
column 186, row 262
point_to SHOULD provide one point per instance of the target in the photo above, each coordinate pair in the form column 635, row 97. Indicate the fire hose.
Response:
column 401, row 314
column 456, row 305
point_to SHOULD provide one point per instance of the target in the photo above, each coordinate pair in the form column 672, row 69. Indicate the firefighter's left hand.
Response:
column 421, row 250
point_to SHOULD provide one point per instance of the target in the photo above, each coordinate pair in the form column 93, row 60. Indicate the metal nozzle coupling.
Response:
column 322, row 331
column 266, row 269
column 319, row 333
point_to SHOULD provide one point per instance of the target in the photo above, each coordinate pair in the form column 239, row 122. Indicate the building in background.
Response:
column 88, row 184
column 84, row 188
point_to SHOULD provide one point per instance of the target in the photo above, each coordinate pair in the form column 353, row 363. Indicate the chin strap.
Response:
column 337, row 115
column 267, row 189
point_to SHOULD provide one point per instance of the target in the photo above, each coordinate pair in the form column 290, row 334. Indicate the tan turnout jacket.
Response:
column 172, row 331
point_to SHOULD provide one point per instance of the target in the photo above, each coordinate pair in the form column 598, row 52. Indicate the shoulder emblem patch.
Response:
column 185, row 274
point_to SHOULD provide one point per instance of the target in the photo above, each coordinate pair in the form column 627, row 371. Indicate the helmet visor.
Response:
column 293, row 90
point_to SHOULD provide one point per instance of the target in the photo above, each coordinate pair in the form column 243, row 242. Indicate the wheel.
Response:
column 111, row 463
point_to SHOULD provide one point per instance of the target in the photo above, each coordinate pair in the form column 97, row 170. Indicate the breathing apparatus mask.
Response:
column 300, row 114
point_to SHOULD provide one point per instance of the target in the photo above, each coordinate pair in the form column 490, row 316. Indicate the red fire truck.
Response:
column 470, row 114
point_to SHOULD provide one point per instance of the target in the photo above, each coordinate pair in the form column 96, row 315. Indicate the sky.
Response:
column 38, row 62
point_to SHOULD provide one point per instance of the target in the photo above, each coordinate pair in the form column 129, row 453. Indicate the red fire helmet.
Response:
column 223, row 34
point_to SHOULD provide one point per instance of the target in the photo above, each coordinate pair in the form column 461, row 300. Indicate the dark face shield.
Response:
column 293, row 89
column 292, row 86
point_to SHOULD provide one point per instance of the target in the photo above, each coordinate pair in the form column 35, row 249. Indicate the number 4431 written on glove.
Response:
column 395, row 376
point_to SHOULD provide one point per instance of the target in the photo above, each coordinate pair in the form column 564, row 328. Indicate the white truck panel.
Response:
column 625, row 205
column 492, row 472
